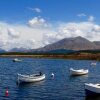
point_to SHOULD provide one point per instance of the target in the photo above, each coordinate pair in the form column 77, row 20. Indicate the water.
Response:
column 61, row 87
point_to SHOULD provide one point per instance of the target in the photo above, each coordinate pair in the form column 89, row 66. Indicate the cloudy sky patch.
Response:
column 30, row 29
column 37, row 10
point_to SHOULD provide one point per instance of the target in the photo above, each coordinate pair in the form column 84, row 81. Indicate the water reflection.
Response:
column 24, row 84
column 92, row 98
column 29, row 90
column 79, row 75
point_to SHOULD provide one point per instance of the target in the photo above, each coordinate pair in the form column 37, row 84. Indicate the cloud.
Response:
column 91, row 18
column 87, row 30
column 49, row 38
column 3, row 41
column 31, row 43
column 13, row 33
column 35, row 34
column 0, row 31
column 38, row 22
column 21, row 36
column 38, row 10
column 81, row 15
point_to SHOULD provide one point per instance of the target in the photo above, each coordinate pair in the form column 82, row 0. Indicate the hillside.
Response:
column 77, row 43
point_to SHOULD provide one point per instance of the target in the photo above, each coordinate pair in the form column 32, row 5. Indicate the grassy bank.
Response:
column 76, row 55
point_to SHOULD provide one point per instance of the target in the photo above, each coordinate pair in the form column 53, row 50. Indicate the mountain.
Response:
column 65, row 45
column 2, row 51
column 77, row 43
column 20, row 50
column 97, row 43
column 59, row 51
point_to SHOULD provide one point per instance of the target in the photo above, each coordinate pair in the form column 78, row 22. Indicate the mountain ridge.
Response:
column 77, row 43
column 64, row 45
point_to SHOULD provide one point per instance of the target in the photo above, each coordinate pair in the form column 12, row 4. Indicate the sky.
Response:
column 32, row 24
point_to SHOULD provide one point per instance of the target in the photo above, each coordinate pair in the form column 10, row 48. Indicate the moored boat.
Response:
column 17, row 60
column 30, row 78
column 92, row 89
column 78, row 72
column 93, row 64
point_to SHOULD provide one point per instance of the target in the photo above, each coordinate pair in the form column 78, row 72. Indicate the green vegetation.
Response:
column 83, row 54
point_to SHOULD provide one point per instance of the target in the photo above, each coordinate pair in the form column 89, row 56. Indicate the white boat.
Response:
column 17, row 60
column 78, row 72
column 30, row 78
column 93, row 63
column 92, row 89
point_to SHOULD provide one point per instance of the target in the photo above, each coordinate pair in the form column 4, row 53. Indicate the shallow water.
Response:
column 61, row 87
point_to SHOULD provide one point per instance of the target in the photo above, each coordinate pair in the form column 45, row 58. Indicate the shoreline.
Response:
column 60, row 56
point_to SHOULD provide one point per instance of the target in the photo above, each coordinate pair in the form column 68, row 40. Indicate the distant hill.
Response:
column 59, row 51
column 77, row 43
column 2, row 51
column 97, row 43
column 20, row 50
column 66, row 45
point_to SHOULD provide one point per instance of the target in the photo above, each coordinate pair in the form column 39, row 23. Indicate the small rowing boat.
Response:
column 30, row 78
column 78, row 72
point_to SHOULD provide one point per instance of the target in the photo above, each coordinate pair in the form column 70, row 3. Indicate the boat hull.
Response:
column 77, row 72
column 91, row 93
column 24, row 79
column 17, row 60
column 92, row 89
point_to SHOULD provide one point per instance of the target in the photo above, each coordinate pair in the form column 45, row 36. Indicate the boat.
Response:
column 17, row 60
column 78, row 72
column 93, row 63
column 92, row 89
column 30, row 78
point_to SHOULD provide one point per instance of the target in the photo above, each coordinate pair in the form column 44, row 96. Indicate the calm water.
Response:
column 62, row 87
